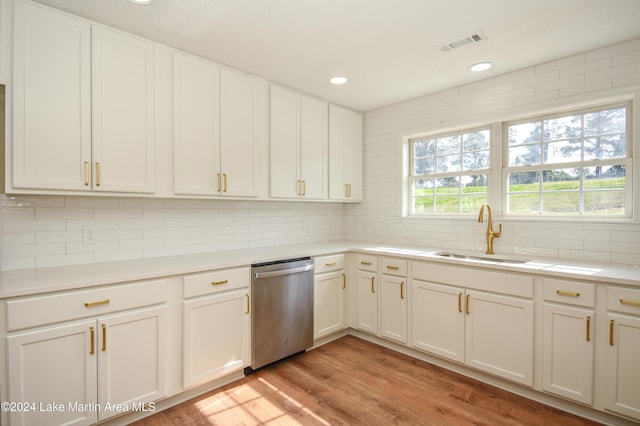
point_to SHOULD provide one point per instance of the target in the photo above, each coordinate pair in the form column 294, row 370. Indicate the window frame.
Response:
column 411, row 178
column 497, row 173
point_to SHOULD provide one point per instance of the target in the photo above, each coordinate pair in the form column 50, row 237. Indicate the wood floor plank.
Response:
column 351, row 381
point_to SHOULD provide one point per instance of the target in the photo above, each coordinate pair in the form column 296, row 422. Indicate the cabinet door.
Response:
column 328, row 304
column 622, row 366
column 284, row 143
column 313, row 148
column 52, row 100
column 499, row 335
column 196, row 126
column 567, row 352
column 393, row 308
column 215, row 336
column 438, row 319
column 123, row 114
column 238, row 133
column 367, row 302
column 56, row 365
column 345, row 154
column 131, row 350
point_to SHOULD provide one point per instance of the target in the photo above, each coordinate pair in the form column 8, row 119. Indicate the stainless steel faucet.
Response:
column 491, row 234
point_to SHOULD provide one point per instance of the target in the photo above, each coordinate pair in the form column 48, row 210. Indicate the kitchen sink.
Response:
column 480, row 258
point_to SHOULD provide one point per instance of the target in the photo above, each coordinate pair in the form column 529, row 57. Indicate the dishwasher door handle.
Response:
column 281, row 272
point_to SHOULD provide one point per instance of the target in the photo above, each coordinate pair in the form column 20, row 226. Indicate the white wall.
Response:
column 574, row 79
column 41, row 231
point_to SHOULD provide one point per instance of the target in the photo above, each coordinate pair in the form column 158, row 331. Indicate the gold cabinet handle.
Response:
column 92, row 304
column 467, row 305
column 611, row 332
column 349, row 190
column 248, row 304
column 304, row 187
column 588, row 328
column 330, row 264
column 362, row 262
column 344, row 281
column 459, row 302
column 86, row 173
column 92, row 332
column 219, row 282
column 402, row 290
column 299, row 187
column 373, row 290
column 567, row 293
column 104, row 337
column 219, row 185
column 97, row 174
column 393, row 268
column 630, row 302
column 224, row 178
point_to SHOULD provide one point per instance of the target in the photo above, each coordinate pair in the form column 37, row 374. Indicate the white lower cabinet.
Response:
column 329, row 287
column 216, row 325
column 568, row 339
column 83, row 372
column 488, row 331
column 622, row 368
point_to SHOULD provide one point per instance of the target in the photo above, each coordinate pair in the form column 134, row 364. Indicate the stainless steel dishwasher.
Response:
column 282, row 310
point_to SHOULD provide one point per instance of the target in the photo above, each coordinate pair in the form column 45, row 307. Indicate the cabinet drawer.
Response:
column 623, row 299
column 367, row 263
column 215, row 281
column 570, row 292
column 392, row 266
column 331, row 263
column 48, row 309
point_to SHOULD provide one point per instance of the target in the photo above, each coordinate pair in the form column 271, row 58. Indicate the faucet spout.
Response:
column 491, row 234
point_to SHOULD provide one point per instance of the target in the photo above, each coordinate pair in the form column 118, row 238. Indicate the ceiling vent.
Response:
column 472, row 38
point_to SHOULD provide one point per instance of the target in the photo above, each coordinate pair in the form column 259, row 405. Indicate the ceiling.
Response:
column 387, row 48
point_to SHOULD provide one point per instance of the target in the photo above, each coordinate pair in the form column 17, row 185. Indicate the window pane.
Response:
column 524, row 155
column 449, row 163
column 476, row 140
column 524, row 203
column 525, row 133
column 604, row 202
column 524, row 182
column 475, row 184
column 423, row 205
column 563, row 128
column 423, row 187
column 604, row 147
column 563, row 151
column 561, row 202
column 605, row 122
column 448, row 145
column 424, row 166
column 561, row 180
column 471, row 204
column 447, row 204
column 475, row 160
column 604, row 177
column 424, row 148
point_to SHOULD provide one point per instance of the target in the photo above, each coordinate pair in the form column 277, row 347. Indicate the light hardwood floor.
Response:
column 354, row 382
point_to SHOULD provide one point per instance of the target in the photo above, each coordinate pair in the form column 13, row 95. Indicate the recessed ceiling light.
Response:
column 338, row 80
column 142, row 2
column 480, row 66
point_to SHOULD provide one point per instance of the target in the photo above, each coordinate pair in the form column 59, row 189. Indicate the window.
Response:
column 449, row 173
column 569, row 164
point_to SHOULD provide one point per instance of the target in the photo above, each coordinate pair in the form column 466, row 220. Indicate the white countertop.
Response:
column 32, row 281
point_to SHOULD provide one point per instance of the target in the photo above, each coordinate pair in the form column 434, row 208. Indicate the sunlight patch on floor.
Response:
column 255, row 403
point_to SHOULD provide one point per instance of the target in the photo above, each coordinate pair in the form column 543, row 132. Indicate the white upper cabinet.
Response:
column 298, row 144
column 215, row 129
column 82, row 106
column 123, row 113
column 52, row 100
column 196, row 126
column 345, row 154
